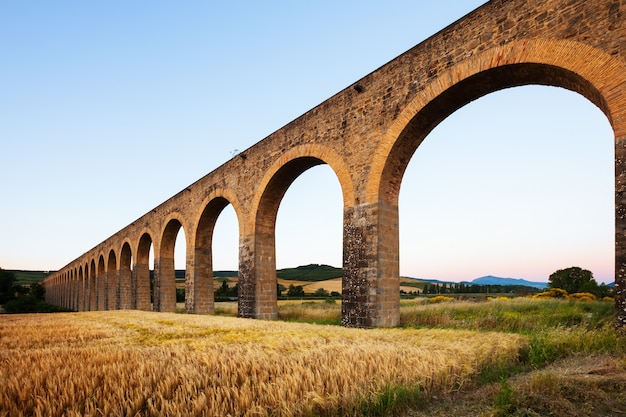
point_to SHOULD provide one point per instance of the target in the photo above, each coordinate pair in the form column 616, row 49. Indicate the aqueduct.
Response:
column 367, row 134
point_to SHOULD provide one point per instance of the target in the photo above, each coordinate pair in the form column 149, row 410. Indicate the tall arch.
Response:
column 101, row 300
column 199, row 289
column 93, row 286
column 124, row 277
column 80, row 305
column 257, row 275
column 164, row 272
column 111, row 281
column 519, row 63
column 141, row 294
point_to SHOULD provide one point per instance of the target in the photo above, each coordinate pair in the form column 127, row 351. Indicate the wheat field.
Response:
column 131, row 363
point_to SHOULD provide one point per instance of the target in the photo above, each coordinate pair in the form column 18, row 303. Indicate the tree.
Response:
column 7, row 286
column 572, row 280
column 38, row 291
column 295, row 291
column 321, row 292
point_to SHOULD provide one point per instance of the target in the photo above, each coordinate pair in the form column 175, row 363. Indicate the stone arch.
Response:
column 567, row 64
column 124, row 276
column 257, row 281
column 80, row 305
column 141, row 295
column 93, row 286
column 111, row 280
column 164, row 272
column 101, row 284
column 86, row 292
column 199, row 294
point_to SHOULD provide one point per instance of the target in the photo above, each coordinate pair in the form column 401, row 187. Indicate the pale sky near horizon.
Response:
column 107, row 109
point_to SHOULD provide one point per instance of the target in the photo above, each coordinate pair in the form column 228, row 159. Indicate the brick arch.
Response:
column 100, row 283
column 93, row 288
column 124, row 276
column 140, row 290
column 80, row 306
column 199, row 297
column 111, row 280
column 257, row 282
column 164, row 272
column 567, row 64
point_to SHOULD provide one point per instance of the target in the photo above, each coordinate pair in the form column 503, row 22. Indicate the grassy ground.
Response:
column 518, row 357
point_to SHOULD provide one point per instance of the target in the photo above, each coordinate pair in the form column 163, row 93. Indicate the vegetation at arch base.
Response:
column 15, row 298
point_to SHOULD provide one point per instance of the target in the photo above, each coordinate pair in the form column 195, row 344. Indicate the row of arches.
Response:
column 114, row 275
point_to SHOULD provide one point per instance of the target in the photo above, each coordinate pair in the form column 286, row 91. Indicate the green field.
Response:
column 29, row 277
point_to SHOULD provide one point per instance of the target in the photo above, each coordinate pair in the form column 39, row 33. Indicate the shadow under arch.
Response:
column 257, row 280
column 200, row 298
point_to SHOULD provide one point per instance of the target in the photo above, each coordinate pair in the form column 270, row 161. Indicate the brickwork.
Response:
column 367, row 134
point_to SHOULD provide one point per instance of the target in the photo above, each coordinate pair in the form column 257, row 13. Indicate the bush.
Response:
column 582, row 296
column 30, row 304
column 439, row 299
column 552, row 293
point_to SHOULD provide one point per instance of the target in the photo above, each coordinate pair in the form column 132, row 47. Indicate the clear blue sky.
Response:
column 109, row 108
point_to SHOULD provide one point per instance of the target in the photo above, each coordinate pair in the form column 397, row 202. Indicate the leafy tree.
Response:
column 321, row 292
column 38, row 291
column 572, row 280
column 7, row 286
column 295, row 291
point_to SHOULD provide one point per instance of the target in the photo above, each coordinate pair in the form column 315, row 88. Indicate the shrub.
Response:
column 439, row 299
column 582, row 296
column 552, row 293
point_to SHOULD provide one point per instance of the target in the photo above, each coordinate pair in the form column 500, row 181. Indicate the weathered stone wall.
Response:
column 367, row 134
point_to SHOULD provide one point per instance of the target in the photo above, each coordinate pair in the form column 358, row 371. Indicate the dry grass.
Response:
column 148, row 364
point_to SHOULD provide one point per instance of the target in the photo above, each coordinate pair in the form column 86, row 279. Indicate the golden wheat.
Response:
column 149, row 364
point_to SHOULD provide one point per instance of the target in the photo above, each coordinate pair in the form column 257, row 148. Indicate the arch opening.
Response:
column 101, row 298
column 125, row 277
column 165, row 282
column 112, row 295
column 267, row 228
column 466, row 91
column 143, row 274
column 216, row 249
column 517, row 184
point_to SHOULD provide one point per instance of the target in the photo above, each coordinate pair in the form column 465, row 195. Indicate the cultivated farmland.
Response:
column 143, row 363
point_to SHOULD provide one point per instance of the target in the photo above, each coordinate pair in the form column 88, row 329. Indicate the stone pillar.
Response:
column 264, row 274
column 101, row 282
column 164, row 285
column 112, row 289
column 124, row 291
column 93, row 292
column 620, row 233
column 247, row 286
column 371, row 284
column 141, row 287
column 199, row 295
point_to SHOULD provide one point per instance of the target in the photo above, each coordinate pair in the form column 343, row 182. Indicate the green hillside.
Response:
column 28, row 277
column 312, row 273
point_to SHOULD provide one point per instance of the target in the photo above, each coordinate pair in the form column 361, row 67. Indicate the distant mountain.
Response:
column 491, row 280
